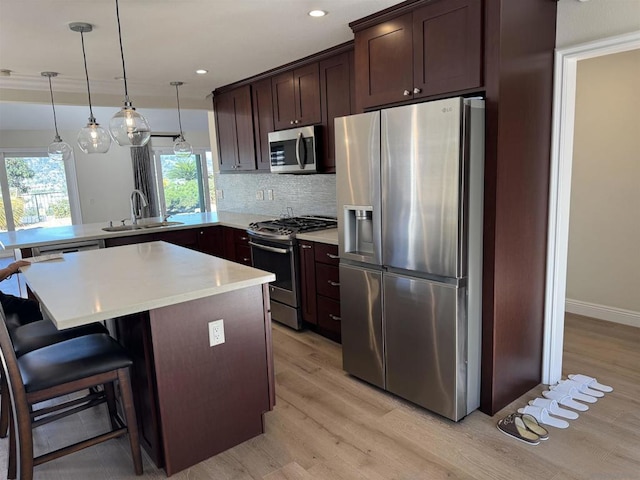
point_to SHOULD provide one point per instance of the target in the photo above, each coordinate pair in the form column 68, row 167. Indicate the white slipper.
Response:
column 590, row 382
column 567, row 389
column 542, row 415
column 553, row 408
column 583, row 388
column 565, row 400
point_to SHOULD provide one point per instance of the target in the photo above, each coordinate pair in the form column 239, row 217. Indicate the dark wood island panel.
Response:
column 195, row 400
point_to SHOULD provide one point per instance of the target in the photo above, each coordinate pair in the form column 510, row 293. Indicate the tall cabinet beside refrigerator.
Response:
column 409, row 185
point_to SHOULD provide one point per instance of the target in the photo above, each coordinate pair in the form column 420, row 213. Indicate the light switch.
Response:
column 216, row 332
column 270, row 194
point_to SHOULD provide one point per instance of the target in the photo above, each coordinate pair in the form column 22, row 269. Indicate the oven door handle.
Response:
column 269, row 249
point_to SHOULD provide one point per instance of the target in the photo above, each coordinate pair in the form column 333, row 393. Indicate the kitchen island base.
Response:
column 194, row 400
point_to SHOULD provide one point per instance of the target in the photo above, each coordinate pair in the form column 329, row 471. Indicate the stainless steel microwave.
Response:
column 296, row 150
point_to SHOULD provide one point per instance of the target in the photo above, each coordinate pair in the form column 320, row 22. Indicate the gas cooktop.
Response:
column 287, row 227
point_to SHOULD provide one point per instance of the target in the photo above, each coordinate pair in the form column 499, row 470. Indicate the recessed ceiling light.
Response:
column 317, row 13
column 202, row 71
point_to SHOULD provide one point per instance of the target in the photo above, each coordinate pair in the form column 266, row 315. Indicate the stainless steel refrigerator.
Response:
column 409, row 187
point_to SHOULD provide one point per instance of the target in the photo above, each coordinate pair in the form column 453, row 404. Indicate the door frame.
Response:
column 566, row 60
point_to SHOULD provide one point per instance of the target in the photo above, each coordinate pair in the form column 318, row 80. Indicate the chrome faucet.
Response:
column 144, row 203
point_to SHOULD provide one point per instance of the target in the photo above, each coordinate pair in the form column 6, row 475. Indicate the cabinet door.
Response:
column 211, row 241
column 306, row 84
column 262, row 121
column 234, row 123
column 308, row 282
column 224, row 105
column 384, row 62
column 284, row 104
column 447, row 47
column 329, row 321
column 335, row 96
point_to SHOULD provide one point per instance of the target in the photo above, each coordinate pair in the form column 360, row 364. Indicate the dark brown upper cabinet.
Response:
column 336, row 91
column 433, row 50
column 234, row 125
column 262, row 121
column 296, row 97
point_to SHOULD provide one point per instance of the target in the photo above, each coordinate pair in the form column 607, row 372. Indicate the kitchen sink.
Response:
column 140, row 226
column 158, row 224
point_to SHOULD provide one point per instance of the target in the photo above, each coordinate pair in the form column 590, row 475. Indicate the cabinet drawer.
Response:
column 326, row 253
column 328, row 280
column 240, row 236
column 329, row 317
column 243, row 254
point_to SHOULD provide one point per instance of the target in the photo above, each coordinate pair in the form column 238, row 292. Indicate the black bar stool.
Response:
column 31, row 336
column 57, row 370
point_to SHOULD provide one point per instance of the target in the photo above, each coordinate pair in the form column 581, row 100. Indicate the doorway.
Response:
column 560, row 189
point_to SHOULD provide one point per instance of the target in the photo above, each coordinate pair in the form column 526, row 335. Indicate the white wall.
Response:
column 580, row 22
column 603, row 270
column 105, row 181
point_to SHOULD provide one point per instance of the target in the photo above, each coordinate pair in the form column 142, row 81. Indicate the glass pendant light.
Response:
column 92, row 138
column 181, row 148
column 58, row 149
column 128, row 128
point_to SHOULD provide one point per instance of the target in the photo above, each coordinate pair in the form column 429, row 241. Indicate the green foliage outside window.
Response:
column 18, row 212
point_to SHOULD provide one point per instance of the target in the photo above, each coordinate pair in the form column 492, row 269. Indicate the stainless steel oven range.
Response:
column 274, row 248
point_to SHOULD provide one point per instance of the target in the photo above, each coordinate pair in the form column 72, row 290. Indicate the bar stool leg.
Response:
column 5, row 405
column 130, row 415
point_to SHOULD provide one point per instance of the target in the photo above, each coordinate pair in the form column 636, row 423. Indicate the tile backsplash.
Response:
column 250, row 193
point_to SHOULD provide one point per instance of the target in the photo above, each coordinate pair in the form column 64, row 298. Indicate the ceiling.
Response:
column 163, row 41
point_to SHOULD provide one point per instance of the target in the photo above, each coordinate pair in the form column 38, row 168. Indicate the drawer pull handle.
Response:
column 333, row 257
column 335, row 318
column 333, row 284
column 244, row 239
column 245, row 259
column 305, row 246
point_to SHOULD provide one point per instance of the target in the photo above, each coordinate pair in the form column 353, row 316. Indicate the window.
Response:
column 36, row 191
column 184, row 185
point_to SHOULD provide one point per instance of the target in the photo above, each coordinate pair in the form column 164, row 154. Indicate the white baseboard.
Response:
column 602, row 312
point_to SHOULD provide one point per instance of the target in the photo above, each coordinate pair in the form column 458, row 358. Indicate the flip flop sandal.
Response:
column 514, row 426
column 567, row 389
column 532, row 424
column 565, row 400
column 542, row 416
column 553, row 408
column 583, row 388
column 590, row 382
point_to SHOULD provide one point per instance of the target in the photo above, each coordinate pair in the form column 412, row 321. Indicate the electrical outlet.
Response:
column 260, row 195
column 270, row 194
column 216, row 332
column 219, row 194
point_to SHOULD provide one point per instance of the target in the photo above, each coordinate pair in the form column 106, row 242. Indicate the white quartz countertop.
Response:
column 33, row 237
column 94, row 285
column 329, row 236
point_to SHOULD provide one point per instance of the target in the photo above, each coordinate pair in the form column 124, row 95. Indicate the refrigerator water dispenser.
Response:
column 358, row 223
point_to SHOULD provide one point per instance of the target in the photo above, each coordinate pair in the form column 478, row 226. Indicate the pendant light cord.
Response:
column 86, row 72
column 124, row 70
column 55, row 121
column 179, row 119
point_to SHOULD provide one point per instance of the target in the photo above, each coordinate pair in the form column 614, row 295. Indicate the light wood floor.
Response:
column 328, row 425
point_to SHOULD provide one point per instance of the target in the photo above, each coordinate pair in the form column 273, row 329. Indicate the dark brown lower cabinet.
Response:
column 236, row 246
column 320, row 286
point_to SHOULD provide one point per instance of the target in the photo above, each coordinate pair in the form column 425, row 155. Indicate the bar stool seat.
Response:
column 71, row 360
column 42, row 333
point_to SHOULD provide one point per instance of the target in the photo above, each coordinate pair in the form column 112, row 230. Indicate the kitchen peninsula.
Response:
column 193, row 400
